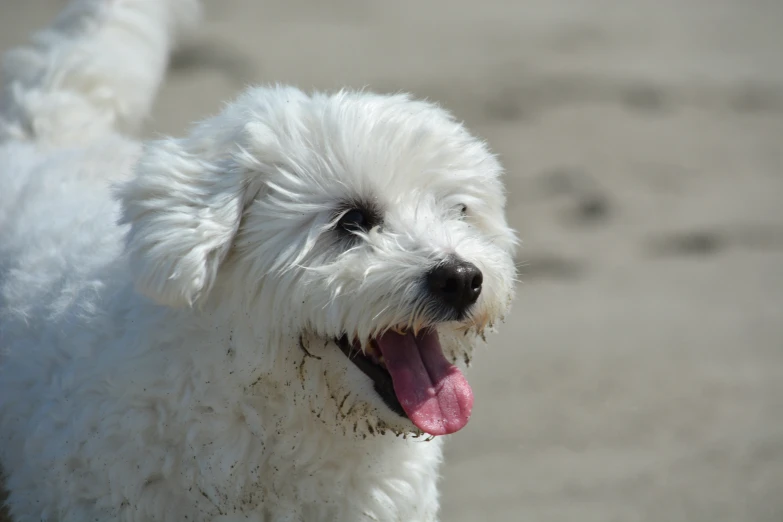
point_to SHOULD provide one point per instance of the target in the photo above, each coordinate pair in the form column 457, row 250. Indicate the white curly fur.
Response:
column 168, row 310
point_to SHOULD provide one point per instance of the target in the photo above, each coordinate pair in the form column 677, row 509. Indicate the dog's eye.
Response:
column 353, row 220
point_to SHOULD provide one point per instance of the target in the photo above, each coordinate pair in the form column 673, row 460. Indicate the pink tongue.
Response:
column 432, row 391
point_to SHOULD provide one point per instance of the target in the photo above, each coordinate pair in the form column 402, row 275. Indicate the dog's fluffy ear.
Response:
column 183, row 210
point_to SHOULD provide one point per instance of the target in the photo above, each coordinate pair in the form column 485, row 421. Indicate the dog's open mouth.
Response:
column 414, row 379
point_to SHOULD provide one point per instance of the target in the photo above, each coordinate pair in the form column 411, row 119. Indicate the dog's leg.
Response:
column 95, row 70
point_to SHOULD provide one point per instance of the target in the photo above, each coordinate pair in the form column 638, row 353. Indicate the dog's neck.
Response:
column 294, row 446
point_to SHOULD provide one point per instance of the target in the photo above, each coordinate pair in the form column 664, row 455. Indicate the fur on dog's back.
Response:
column 57, row 227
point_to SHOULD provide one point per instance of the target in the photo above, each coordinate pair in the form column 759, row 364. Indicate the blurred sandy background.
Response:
column 640, row 377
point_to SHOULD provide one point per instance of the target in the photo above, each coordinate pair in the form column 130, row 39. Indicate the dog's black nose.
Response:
column 456, row 283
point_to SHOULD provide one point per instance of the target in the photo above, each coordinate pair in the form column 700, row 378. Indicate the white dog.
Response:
column 259, row 321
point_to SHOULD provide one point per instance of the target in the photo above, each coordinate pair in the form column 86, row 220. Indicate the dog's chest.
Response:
column 317, row 476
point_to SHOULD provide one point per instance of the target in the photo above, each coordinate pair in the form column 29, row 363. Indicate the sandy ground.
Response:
column 640, row 376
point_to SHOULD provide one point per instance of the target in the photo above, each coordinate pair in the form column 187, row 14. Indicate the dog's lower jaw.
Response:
column 327, row 386
column 382, row 380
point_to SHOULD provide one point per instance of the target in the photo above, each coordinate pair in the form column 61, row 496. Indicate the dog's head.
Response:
column 363, row 236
